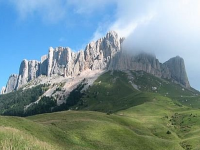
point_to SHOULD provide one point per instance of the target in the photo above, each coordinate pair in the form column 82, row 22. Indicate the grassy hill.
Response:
column 157, row 124
column 122, row 111
column 114, row 91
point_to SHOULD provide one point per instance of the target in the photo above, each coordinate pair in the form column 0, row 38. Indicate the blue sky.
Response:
column 28, row 35
column 166, row 28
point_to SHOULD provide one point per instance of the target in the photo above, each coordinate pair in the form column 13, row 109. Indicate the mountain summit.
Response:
column 104, row 54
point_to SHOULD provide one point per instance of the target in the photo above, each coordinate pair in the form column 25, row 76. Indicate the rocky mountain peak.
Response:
column 177, row 70
column 112, row 36
column 104, row 54
column 11, row 84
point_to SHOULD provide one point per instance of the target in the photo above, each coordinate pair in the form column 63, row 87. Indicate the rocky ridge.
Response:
column 174, row 69
column 104, row 54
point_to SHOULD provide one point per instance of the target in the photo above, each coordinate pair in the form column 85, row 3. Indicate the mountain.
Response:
column 176, row 70
column 107, row 99
column 107, row 53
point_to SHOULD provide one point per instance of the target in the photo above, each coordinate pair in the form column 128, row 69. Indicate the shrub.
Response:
column 168, row 132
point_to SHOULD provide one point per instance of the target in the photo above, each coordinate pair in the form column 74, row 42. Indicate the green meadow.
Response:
column 112, row 114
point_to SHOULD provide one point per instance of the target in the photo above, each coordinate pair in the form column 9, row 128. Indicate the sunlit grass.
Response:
column 138, row 120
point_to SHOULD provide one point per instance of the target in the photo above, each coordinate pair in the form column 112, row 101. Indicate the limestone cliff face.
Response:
column 3, row 90
column 100, row 54
column 43, row 65
column 104, row 54
column 64, row 62
column 140, row 62
column 28, row 71
column 97, row 55
column 11, row 84
column 174, row 69
column 61, row 61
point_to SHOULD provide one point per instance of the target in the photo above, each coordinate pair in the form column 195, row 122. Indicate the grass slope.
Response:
column 145, row 119
column 113, row 91
column 140, row 127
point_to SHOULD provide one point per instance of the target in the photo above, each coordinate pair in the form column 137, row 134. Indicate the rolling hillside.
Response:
column 121, row 110
column 157, row 124
column 118, row 90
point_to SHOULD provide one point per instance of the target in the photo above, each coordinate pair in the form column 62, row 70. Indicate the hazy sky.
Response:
column 165, row 27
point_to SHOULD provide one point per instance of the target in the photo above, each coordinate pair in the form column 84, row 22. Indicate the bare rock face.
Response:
column 43, row 65
column 99, row 54
column 11, row 84
column 50, row 61
column 61, row 61
column 104, row 54
column 3, row 90
column 33, row 69
column 23, row 73
column 140, row 62
column 28, row 71
column 175, row 70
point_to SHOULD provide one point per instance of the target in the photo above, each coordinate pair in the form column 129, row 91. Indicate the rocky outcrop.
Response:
column 28, row 71
column 97, row 55
column 104, row 54
column 140, row 62
column 44, row 65
column 100, row 54
column 3, row 90
column 174, row 69
column 11, row 84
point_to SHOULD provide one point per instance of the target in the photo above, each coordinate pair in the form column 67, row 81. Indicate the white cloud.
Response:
column 49, row 10
column 166, row 28
column 89, row 6
column 174, row 31
column 124, row 28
